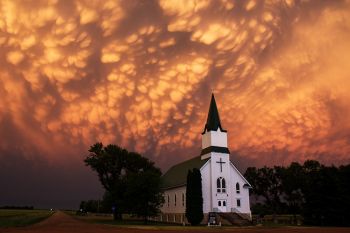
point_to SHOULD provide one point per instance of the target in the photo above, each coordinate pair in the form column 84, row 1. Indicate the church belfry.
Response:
column 214, row 137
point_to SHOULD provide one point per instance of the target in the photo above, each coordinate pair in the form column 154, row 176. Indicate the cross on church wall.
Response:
column 220, row 162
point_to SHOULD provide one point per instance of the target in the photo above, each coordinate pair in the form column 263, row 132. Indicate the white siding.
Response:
column 206, row 184
column 243, row 195
column 170, row 207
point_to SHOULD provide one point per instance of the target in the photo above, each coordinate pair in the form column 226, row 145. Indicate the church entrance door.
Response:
column 222, row 205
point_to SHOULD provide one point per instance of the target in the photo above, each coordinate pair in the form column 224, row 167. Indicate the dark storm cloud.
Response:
column 43, row 185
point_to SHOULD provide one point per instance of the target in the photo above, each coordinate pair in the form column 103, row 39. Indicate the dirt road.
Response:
column 61, row 222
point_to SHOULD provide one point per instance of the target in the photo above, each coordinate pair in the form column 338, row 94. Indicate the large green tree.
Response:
column 194, row 198
column 292, row 183
column 344, row 196
column 266, row 183
column 116, row 168
column 323, row 195
column 146, row 187
column 320, row 193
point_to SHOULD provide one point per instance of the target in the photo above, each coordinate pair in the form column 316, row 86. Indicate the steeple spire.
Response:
column 213, row 120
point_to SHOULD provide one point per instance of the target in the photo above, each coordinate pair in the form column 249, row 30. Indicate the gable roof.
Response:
column 247, row 184
column 176, row 176
column 213, row 120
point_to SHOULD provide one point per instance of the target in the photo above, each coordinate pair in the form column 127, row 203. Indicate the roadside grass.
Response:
column 151, row 225
column 108, row 220
column 21, row 218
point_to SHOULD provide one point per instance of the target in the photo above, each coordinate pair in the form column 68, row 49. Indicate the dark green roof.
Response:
column 176, row 176
column 213, row 120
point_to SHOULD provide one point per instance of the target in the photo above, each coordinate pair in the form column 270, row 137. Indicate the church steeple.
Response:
column 213, row 120
column 214, row 137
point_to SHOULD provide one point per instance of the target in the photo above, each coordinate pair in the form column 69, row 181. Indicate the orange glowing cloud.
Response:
column 140, row 74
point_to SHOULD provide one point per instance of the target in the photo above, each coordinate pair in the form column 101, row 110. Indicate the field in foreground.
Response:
column 20, row 218
column 61, row 222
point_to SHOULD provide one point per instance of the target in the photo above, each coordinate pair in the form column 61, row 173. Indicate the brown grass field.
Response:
column 61, row 222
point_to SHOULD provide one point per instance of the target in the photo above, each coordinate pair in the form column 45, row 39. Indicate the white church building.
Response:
column 225, row 191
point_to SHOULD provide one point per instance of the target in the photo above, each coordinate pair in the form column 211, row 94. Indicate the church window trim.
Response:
column 221, row 185
column 238, row 189
column 238, row 202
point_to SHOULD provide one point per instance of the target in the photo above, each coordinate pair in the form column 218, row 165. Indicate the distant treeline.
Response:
column 17, row 207
column 96, row 206
column 321, row 194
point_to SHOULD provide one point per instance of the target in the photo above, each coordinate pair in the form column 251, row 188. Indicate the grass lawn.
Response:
column 20, row 218
column 128, row 225
column 108, row 220
column 135, row 224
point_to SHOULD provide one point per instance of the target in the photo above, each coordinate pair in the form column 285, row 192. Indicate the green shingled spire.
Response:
column 213, row 120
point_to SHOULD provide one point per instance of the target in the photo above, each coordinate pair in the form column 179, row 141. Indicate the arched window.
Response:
column 221, row 185
column 218, row 185
column 238, row 190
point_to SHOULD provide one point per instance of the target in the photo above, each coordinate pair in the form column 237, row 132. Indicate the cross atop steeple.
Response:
column 213, row 120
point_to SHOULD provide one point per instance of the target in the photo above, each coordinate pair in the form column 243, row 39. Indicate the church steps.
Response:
column 234, row 219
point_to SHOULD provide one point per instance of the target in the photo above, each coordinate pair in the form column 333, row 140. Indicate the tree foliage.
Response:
column 120, row 172
column 146, row 187
column 320, row 193
column 194, row 198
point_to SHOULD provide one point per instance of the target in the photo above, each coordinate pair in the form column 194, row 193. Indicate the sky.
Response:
column 140, row 74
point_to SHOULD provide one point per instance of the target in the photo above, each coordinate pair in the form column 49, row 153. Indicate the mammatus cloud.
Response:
column 140, row 74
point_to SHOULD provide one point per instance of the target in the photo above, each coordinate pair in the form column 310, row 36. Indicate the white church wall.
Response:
column 246, row 201
column 172, row 206
column 206, row 184
column 214, row 138
column 242, row 195
column 224, row 172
